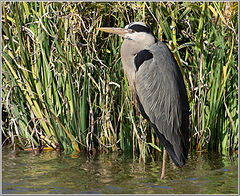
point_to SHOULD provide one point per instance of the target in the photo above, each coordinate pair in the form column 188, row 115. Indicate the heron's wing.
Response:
column 162, row 98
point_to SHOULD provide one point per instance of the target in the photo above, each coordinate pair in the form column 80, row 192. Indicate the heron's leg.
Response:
column 163, row 165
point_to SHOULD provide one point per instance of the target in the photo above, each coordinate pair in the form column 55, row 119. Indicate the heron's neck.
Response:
column 129, row 50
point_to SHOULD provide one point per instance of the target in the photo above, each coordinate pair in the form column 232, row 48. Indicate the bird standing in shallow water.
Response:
column 157, row 84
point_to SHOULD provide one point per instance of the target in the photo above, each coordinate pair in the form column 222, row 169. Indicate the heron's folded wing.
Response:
column 162, row 94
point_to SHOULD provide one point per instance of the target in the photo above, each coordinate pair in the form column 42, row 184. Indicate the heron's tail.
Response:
column 178, row 161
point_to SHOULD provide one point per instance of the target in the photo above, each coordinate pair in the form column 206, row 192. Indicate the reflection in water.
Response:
column 52, row 172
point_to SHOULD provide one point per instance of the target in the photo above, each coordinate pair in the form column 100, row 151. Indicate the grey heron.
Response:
column 156, row 83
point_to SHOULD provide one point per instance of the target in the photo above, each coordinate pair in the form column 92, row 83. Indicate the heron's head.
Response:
column 136, row 31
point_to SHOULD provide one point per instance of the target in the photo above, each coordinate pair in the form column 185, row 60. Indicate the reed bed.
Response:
column 63, row 85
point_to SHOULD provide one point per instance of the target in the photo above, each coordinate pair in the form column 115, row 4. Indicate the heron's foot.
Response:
column 163, row 175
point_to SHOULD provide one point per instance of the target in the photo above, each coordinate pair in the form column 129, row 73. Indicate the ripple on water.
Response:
column 51, row 173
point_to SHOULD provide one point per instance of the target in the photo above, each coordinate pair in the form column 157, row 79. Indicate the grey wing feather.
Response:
column 162, row 94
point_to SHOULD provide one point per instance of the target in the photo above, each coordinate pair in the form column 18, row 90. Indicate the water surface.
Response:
column 52, row 172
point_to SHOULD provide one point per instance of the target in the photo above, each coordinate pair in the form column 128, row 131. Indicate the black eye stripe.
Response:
column 140, row 28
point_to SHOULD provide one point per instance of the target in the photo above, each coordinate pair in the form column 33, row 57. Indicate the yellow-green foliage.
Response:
column 63, row 85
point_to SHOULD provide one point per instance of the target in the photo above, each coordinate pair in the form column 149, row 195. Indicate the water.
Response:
column 52, row 172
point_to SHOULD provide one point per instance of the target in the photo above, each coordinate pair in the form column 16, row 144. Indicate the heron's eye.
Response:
column 131, row 31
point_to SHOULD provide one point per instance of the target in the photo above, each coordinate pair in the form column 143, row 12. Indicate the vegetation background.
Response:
column 63, row 85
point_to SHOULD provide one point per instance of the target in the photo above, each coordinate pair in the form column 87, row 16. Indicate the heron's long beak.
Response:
column 119, row 31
